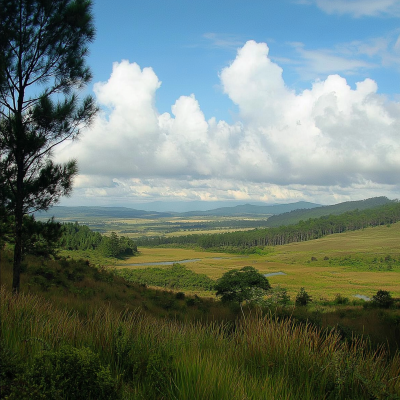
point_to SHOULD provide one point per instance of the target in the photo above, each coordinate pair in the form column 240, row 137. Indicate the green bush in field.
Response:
column 175, row 277
column 339, row 299
column 303, row 298
column 245, row 284
column 72, row 373
column 11, row 367
column 382, row 299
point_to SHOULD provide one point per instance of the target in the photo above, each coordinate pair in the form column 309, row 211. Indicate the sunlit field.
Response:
column 340, row 263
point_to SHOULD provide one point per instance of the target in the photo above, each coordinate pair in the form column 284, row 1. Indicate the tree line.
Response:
column 313, row 228
column 80, row 237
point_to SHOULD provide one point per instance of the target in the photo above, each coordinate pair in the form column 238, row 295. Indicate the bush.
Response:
column 180, row 296
column 11, row 366
column 339, row 299
column 303, row 298
column 382, row 299
column 72, row 373
column 245, row 284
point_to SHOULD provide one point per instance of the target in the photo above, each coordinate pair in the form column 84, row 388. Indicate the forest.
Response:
column 313, row 228
column 80, row 237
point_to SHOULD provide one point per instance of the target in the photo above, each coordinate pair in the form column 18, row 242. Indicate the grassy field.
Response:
column 153, row 344
column 167, row 226
column 360, row 262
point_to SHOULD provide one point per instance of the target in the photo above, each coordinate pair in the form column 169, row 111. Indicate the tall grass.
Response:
column 258, row 358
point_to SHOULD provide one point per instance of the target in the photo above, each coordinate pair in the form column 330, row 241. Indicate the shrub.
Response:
column 303, row 298
column 339, row 299
column 382, row 299
column 11, row 366
column 180, row 296
column 72, row 373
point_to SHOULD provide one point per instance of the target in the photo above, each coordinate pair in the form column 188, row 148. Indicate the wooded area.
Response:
column 302, row 231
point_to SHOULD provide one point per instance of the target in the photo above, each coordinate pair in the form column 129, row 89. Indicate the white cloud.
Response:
column 322, row 62
column 359, row 8
column 329, row 140
column 223, row 40
column 355, row 58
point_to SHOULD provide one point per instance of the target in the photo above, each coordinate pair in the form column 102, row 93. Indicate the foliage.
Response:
column 80, row 237
column 175, row 277
column 257, row 357
column 11, row 366
column 246, row 284
column 339, row 299
column 245, row 241
column 67, row 373
column 382, row 299
column 40, row 238
column 43, row 48
column 277, row 296
column 303, row 298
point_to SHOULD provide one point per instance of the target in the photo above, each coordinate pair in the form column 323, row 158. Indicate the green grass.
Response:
column 350, row 263
column 262, row 358
column 159, row 345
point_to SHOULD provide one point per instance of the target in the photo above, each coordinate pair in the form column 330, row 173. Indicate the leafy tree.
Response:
column 382, row 299
column 43, row 45
column 110, row 245
column 242, row 285
column 303, row 298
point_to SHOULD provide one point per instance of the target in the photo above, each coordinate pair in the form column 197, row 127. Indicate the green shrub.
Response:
column 159, row 373
column 382, row 299
column 339, row 299
column 303, row 298
column 11, row 367
column 72, row 373
column 180, row 296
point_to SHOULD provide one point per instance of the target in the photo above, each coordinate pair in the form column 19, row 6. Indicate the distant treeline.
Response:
column 169, row 227
column 80, row 237
column 304, row 230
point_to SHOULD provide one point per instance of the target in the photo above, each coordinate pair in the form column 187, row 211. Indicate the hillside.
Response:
column 79, row 213
column 295, row 216
column 250, row 209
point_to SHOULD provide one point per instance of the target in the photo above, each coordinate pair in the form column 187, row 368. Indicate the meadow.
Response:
column 164, row 226
column 131, row 355
column 359, row 262
column 149, row 343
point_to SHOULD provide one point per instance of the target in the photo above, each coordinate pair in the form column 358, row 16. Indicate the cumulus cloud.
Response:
column 330, row 139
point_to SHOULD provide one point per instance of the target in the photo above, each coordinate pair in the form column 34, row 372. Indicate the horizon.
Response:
column 193, row 206
column 264, row 102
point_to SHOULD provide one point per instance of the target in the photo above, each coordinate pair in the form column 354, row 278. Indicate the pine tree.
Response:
column 43, row 45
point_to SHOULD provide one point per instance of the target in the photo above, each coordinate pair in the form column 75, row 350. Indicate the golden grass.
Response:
column 320, row 279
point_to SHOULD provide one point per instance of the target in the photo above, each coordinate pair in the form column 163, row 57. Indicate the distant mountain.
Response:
column 187, row 206
column 279, row 214
column 251, row 209
column 78, row 213
column 62, row 212
column 295, row 216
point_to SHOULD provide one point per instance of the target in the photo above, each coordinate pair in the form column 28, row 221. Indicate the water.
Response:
column 274, row 273
column 161, row 263
column 362, row 297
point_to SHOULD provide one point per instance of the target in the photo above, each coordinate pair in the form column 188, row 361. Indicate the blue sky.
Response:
column 273, row 101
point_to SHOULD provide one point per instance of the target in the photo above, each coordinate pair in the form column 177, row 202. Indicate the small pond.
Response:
column 274, row 273
column 362, row 297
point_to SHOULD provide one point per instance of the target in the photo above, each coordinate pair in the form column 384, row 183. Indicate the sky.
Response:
column 249, row 101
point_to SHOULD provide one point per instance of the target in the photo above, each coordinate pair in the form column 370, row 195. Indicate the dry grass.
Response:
column 320, row 278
